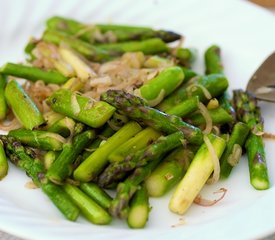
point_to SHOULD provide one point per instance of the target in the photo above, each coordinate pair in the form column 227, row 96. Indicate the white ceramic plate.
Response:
column 246, row 35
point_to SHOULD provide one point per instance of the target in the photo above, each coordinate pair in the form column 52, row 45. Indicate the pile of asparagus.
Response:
column 160, row 139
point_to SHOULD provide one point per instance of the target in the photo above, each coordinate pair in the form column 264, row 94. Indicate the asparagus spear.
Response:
column 185, row 107
column 170, row 171
column 139, row 209
column 162, row 145
column 162, row 85
column 149, row 46
column 3, row 103
column 91, row 167
column 233, row 150
column 22, row 106
column 213, row 61
column 119, row 32
column 249, row 112
column 215, row 84
column 80, row 108
column 61, row 167
column 218, row 115
column 4, row 167
column 139, row 141
column 38, row 139
column 196, row 176
column 135, row 108
column 33, row 73
column 97, row 194
column 89, row 208
column 35, row 169
column 87, row 50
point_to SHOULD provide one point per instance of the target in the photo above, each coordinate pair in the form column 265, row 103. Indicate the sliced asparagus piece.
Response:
column 139, row 209
column 249, row 112
column 23, row 106
column 3, row 102
column 80, row 108
column 33, row 73
column 39, row 139
column 92, row 166
column 90, row 209
column 196, row 176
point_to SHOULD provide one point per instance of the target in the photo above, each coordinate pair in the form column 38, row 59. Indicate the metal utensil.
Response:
column 262, row 82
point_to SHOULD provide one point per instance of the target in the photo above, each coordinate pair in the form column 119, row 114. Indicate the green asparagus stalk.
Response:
column 233, row 150
column 215, row 84
column 92, row 166
column 139, row 209
column 170, row 171
column 128, row 33
column 87, row 50
column 139, row 141
column 248, row 111
column 80, row 108
column 218, row 115
column 196, row 176
column 4, row 167
column 33, row 73
column 62, row 166
column 38, row 139
column 89, row 208
column 135, row 108
column 213, row 62
column 148, row 47
column 125, row 190
column 3, row 103
column 162, row 145
column 22, row 106
column 97, row 194
column 35, row 169
column 119, row 32
column 185, row 107
column 162, row 85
